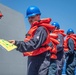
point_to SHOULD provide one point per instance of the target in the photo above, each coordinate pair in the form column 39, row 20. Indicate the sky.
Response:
column 61, row 11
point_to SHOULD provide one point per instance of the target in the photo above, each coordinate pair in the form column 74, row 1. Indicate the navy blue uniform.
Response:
column 71, row 58
column 35, row 63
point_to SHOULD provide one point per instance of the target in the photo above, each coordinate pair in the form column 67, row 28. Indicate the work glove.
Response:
column 66, row 54
column 71, row 52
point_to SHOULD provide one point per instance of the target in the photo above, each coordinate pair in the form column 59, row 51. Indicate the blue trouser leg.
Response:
column 64, row 67
column 52, row 68
column 60, row 62
column 38, row 65
column 70, row 66
column 75, row 70
column 43, row 70
column 33, row 65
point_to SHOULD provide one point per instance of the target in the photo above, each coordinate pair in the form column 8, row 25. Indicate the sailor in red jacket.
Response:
column 70, row 52
column 35, row 44
column 57, row 64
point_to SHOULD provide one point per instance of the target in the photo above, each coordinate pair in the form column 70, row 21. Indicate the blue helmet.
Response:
column 56, row 24
column 32, row 11
column 70, row 31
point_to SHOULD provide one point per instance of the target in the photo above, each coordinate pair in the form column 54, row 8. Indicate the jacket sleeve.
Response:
column 61, row 41
column 38, row 39
column 71, row 47
column 71, row 44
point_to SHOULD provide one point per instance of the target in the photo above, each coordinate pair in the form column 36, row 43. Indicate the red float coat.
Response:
column 50, row 38
column 73, row 37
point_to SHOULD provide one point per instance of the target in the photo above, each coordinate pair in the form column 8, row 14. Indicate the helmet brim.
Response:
column 32, row 15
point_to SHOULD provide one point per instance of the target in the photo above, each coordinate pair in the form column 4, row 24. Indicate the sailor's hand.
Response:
column 12, row 41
